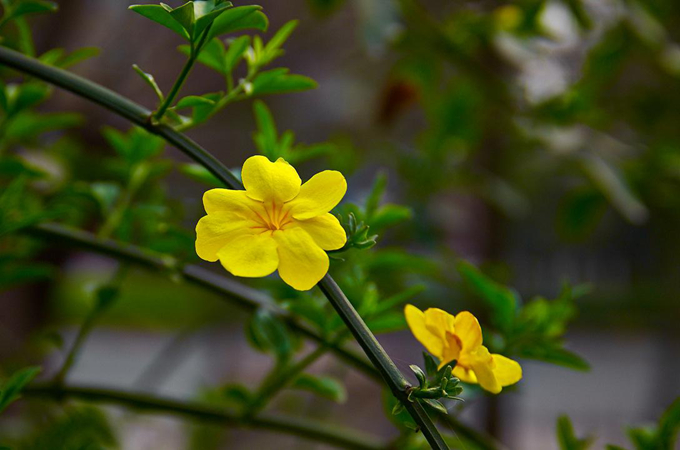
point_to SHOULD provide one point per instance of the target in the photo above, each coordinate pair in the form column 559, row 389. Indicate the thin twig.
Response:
column 305, row 428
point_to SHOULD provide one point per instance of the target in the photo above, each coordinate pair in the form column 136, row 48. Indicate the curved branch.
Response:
column 229, row 290
column 141, row 116
column 301, row 427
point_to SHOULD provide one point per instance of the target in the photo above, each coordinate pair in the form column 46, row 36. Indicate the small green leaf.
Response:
column 420, row 375
column 161, row 15
column 199, row 173
column 435, row 404
column 31, row 7
column 184, row 15
column 11, row 389
column 78, row 56
column 26, row 96
column 191, row 101
column 206, row 12
column 266, row 137
column 273, row 50
column 501, row 300
column 566, row 437
column 239, row 18
column 150, row 80
column 211, row 55
column 430, row 364
column 376, row 194
column 323, row 386
column 268, row 333
column 279, row 81
column 106, row 195
column 669, row 425
column 552, row 353
column 389, row 215
column 235, row 52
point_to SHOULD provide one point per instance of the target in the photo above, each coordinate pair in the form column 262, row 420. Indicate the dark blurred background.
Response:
column 541, row 143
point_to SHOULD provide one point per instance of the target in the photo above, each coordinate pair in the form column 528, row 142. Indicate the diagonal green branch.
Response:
column 141, row 116
column 304, row 428
column 229, row 290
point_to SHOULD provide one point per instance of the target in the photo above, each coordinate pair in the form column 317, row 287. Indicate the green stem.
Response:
column 279, row 380
column 336, row 297
column 179, row 82
column 84, row 331
column 158, row 115
column 232, row 95
column 305, row 428
column 72, row 355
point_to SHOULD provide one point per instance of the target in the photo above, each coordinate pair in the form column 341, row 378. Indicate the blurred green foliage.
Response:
column 605, row 141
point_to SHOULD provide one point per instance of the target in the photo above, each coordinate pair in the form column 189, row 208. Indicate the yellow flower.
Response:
column 459, row 337
column 276, row 223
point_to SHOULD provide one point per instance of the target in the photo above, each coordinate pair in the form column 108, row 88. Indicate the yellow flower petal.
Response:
column 325, row 230
column 417, row 323
column 439, row 322
column 250, row 255
column 302, row 263
column 482, row 364
column 468, row 330
column 451, row 351
column 506, row 370
column 220, row 200
column 216, row 230
column 465, row 375
column 319, row 195
column 268, row 181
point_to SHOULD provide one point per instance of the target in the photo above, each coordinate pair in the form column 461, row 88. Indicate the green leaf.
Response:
column 78, row 56
column 239, row 18
column 430, row 364
column 237, row 48
column 206, row 12
column 387, row 322
column 31, row 7
column 501, row 300
column 267, row 333
column 11, row 389
column 201, row 174
column 266, row 136
column 150, row 80
column 212, row 55
column 162, row 16
column 420, row 375
column 28, row 126
column 26, row 96
column 434, row 404
column 106, row 195
column 552, row 353
column 389, row 215
column 566, row 438
column 191, row 101
column 273, row 50
column 279, row 81
column 323, row 386
column 669, row 425
column 376, row 194
column 184, row 15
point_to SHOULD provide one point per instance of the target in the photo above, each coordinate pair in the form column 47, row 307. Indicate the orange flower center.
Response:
column 273, row 217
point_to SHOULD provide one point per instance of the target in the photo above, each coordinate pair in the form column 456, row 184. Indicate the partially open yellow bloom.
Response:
column 276, row 223
column 459, row 337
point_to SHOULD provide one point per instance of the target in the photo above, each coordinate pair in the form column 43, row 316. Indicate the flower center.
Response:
column 275, row 216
